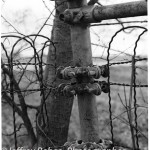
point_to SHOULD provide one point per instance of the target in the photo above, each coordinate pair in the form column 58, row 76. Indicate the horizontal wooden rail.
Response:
column 93, row 14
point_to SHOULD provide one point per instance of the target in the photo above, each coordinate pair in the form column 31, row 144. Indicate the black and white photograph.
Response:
column 74, row 75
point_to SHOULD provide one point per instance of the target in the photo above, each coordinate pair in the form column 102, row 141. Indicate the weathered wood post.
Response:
column 82, row 57
column 79, row 15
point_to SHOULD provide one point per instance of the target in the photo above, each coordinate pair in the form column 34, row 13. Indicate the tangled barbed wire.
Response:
column 14, row 72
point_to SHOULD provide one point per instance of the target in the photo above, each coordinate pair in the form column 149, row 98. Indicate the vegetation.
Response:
column 41, row 116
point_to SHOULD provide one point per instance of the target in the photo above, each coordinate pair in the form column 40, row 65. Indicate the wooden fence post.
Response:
column 82, row 56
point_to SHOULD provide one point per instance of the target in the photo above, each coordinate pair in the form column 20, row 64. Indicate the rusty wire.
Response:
column 44, row 64
column 117, row 23
column 134, row 82
column 54, row 89
column 43, row 88
column 127, row 62
column 125, row 84
column 108, row 63
column 109, row 96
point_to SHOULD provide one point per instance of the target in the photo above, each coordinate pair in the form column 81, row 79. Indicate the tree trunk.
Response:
column 58, row 107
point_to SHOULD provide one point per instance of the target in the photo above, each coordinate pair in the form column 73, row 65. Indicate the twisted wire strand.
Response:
column 27, row 63
column 110, row 83
column 127, row 62
column 124, row 84
column 108, row 54
column 122, row 29
column 44, row 64
column 134, row 88
column 55, row 89
column 109, row 96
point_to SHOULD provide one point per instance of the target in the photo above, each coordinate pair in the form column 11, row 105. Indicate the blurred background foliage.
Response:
column 27, row 20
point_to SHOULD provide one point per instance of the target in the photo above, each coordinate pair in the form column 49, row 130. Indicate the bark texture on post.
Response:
column 58, row 107
column 82, row 56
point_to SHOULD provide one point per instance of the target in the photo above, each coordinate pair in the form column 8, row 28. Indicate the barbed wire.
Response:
column 39, row 62
column 108, row 80
column 124, row 84
column 117, row 23
column 135, row 100
column 127, row 62
column 56, row 88
column 110, row 64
